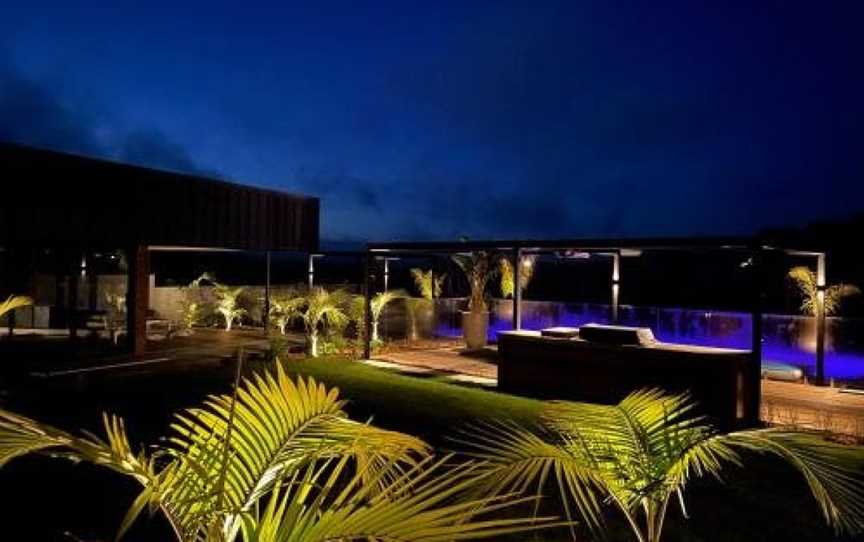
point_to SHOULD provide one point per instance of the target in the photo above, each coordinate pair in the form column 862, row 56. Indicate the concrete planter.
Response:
column 474, row 328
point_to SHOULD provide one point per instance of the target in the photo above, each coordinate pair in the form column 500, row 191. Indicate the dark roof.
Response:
column 56, row 199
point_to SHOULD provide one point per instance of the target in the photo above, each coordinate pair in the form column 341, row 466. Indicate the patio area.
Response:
column 785, row 403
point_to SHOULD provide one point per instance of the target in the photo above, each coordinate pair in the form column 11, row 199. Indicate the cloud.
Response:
column 32, row 114
column 36, row 113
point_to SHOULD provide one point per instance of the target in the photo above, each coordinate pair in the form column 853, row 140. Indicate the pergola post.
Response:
column 820, row 318
column 517, row 288
column 138, row 299
column 616, row 278
column 754, row 371
column 367, row 305
column 74, row 274
column 266, row 316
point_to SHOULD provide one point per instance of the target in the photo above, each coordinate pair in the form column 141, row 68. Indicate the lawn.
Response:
column 765, row 501
column 425, row 406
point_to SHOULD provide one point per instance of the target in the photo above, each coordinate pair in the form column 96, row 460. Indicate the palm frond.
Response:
column 832, row 471
column 428, row 284
column 279, row 426
column 13, row 302
column 313, row 508
column 518, row 460
column 643, row 451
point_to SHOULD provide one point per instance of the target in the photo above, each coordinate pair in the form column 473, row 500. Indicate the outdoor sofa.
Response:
column 605, row 363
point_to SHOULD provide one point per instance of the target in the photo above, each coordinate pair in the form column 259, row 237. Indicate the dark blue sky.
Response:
column 488, row 119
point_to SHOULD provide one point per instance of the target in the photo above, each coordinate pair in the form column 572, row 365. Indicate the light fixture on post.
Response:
column 312, row 268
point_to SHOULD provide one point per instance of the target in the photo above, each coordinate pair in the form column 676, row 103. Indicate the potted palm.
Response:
column 478, row 267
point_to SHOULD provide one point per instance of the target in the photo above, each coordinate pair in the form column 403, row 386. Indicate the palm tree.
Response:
column 376, row 306
column 227, row 303
column 413, row 308
column 508, row 281
column 286, row 308
column 323, row 309
column 640, row 454
column 192, row 305
column 428, row 284
column 279, row 460
column 13, row 302
column 805, row 280
column 478, row 267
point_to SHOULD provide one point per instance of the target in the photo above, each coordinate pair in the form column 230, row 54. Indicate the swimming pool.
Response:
column 785, row 339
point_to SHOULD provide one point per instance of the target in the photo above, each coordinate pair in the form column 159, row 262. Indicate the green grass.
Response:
column 424, row 406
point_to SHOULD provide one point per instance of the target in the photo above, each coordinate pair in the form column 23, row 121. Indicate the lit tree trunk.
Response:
column 313, row 345
column 374, row 330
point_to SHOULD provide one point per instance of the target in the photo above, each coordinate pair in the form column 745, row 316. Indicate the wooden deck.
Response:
column 783, row 403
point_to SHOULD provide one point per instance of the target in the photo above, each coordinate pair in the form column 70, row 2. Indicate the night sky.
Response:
column 423, row 120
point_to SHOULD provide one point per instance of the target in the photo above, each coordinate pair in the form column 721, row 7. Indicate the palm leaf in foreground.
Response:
column 422, row 506
column 277, row 427
column 641, row 453
column 288, row 448
column 13, row 302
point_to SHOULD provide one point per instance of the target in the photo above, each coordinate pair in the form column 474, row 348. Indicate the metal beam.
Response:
column 367, row 305
column 820, row 318
column 517, row 288
column 266, row 316
column 754, row 371
column 616, row 279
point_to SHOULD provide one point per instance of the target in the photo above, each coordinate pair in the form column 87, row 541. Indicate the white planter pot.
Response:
column 474, row 328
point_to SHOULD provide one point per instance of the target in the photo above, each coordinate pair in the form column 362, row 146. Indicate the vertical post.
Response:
column 753, row 396
column 367, row 305
column 386, row 272
column 74, row 274
column 517, row 288
column 138, row 299
column 820, row 319
column 311, row 267
column 266, row 316
column 616, row 279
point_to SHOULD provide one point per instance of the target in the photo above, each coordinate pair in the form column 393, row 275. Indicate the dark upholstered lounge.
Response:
column 576, row 369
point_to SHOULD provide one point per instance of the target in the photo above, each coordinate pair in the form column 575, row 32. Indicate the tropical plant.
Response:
column 508, row 280
column 428, row 284
column 414, row 307
column 227, row 303
column 805, row 281
column 376, row 307
column 193, row 307
column 641, row 453
column 478, row 267
column 323, row 310
column 279, row 460
column 13, row 302
column 115, row 300
column 286, row 308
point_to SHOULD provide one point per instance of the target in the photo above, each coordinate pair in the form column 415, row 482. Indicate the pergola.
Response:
column 614, row 249
column 72, row 204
